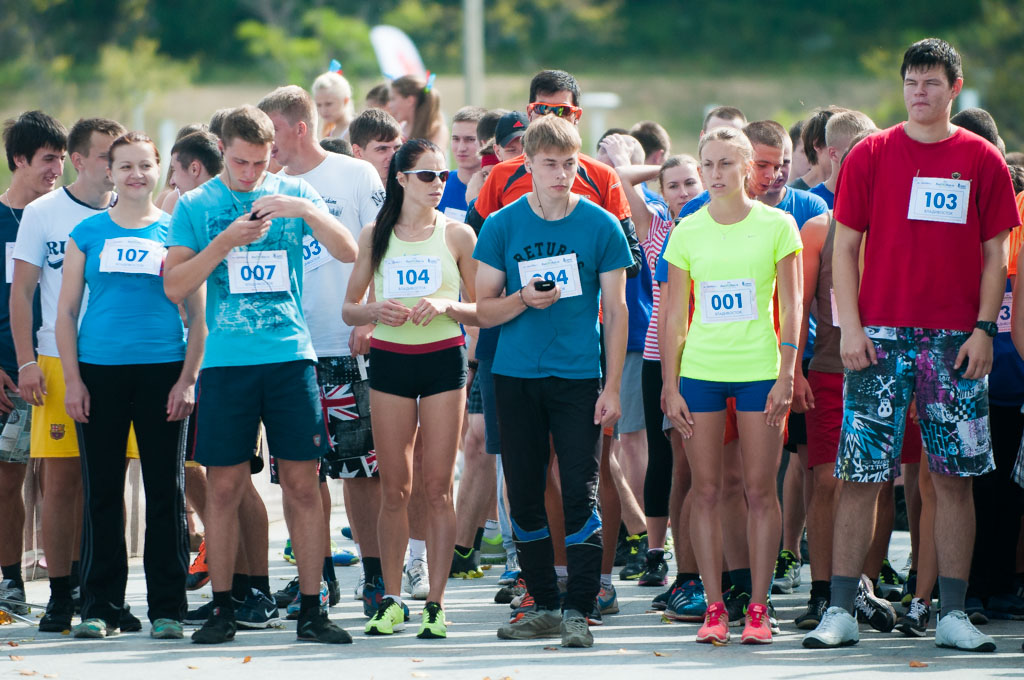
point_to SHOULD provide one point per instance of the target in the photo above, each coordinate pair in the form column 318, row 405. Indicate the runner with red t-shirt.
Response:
column 938, row 203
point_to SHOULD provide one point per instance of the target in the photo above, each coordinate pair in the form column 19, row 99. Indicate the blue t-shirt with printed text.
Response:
column 129, row 319
column 248, row 328
column 564, row 339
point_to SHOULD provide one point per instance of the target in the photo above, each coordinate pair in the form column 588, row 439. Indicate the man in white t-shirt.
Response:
column 39, row 261
column 353, row 192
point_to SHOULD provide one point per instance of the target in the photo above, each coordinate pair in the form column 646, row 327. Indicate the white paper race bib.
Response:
column 725, row 301
column 411, row 276
column 10, row 262
column 258, row 271
column 455, row 214
column 934, row 199
column 314, row 254
column 1003, row 319
column 562, row 269
column 131, row 255
column 835, row 308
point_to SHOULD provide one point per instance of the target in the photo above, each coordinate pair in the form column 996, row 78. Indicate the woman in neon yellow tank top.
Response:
column 734, row 251
column 418, row 261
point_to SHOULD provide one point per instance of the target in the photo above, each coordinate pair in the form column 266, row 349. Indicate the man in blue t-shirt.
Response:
column 559, row 256
column 35, row 144
column 241, row 235
column 466, row 151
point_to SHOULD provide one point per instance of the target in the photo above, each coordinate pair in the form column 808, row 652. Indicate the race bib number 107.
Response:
column 131, row 255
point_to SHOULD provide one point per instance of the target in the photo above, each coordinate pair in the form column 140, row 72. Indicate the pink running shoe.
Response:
column 716, row 625
column 758, row 630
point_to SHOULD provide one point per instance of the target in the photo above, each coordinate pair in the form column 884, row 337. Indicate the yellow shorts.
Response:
column 53, row 431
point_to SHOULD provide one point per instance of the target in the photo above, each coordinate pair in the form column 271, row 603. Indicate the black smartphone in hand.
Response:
column 543, row 286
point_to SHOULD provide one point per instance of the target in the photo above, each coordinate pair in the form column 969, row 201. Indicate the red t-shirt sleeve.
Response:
column 489, row 199
column 997, row 206
column 853, row 188
column 615, row 200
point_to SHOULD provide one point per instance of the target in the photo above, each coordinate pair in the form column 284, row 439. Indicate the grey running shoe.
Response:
column 533, row 624
column 575, row 630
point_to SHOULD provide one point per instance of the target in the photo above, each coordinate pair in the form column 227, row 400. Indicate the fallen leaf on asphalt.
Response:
column 66, row 632
column 247, row 659
column 665, row 619
column 27, row 672
column 50, row 675
column 918, row 664
column 5, row 618
column 12, row 644
column 193, row 668
column 622, row 651
column 17, row 658
column 658, row 654
column 421, row 660
column 417, row 674
column 551, row 649
column 716, row 643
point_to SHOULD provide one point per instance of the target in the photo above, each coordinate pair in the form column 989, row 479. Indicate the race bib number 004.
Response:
column 314, row 255
column 258, row 271
column 131, row 255
column 410, row 276
column 725, row 301
column 562, row 269
column 1003, row 319
column 934, row 199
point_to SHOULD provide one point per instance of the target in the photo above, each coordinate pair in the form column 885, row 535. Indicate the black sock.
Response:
column 821, row 589
column 371, row 568
column 463, row 551
column 240, row 587
column 308, row 603
column 478, row 539
column 685, row 576
column 329, row 573
column 260, row 583
column 12, row 572
column 223, row 599
column 741, row 579
column 76, row 574
column 726, row 581
column 60, row 587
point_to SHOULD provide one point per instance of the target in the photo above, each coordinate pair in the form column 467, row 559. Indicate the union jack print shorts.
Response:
column 345, row 397
column 913, row 362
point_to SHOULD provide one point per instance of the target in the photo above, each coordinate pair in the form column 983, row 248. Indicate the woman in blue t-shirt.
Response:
column 127, row 362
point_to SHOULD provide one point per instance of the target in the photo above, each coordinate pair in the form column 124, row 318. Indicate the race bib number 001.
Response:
column 562, row 269
column 726, row 301
column 258, row 271
column 131, row 255
column 1003, row 320
column 934, row 199
column 410, row 276
column 314, row 254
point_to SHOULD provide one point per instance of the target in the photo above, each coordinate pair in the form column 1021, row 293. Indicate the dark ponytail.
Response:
column 404, row 158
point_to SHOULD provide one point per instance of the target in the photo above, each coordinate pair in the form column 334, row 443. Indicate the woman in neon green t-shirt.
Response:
column 733, row 252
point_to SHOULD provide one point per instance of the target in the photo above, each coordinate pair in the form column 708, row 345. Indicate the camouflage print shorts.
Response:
column 16, row 431
column 914, row 362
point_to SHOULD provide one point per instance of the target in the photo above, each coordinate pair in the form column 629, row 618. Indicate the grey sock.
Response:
column 844, row 591
column 952, row 593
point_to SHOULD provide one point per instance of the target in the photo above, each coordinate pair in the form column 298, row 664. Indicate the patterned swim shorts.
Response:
column 914, row 362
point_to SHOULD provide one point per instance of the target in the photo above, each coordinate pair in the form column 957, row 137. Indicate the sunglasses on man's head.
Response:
column 560, row 110
column 428, row 175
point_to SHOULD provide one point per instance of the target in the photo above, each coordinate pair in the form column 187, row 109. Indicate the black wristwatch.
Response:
column 989, row 327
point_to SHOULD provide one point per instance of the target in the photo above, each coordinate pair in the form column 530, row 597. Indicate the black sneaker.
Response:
column 873, row 610
column 219, row 628
column 660, row 602
column 889, row 584
column 736, row 604
column 915, row 622
column 128, row 622
column 622, row 552
column 655, row 571
column 316, row 627
column 198, row 616
column 810, row 619
column 284, row 597
column 334, row 593
column 637, row 561
column 257, row 612
column 57, row 618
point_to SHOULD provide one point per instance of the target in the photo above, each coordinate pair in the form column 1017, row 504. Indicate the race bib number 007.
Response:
column 934, row 199
column 131, row 255
column 258, row 271
column 410, row 276
column 726, row 301
column 562, row 269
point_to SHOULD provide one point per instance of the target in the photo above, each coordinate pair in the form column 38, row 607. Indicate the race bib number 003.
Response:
column 1003, row 319
column 410, row 276
column 131, row 255
column 725, row 301
column 314, row 254
column 562, row 269
column 258, row 271
column 934, row 199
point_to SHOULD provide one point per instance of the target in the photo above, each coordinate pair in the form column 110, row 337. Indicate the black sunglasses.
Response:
column 428, row 175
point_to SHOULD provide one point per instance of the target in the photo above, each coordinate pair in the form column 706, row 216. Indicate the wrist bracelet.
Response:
column 521, row 298
column 27, row 364
column 789, row 344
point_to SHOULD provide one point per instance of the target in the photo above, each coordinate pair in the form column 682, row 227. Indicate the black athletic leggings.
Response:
column 532, row 413
column 120, row 396
column 658, row 481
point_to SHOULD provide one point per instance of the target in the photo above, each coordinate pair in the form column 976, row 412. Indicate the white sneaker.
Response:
column 416, row 580
column 358, row 595
column 837, row 628
column 955, row 631
column 13, row 594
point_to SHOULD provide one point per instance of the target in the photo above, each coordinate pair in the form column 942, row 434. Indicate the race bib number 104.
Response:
column 411, row 276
